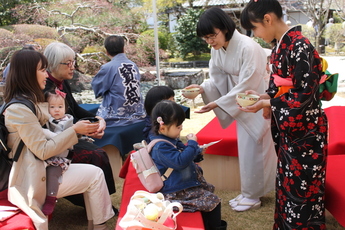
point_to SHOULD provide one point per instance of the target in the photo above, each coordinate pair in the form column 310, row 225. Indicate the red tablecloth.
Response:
column 185, row 220
column 214, row 132
column 228, row 146
column 335, row 187
column 336, row 123
column 19, row 221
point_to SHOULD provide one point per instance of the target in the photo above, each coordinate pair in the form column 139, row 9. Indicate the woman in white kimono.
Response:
column 237, row 64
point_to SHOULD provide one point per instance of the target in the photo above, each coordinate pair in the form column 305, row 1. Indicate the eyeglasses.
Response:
column 69, row 63
column 212, row 37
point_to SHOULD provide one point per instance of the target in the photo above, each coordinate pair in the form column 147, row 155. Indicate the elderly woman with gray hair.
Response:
column 61, row 65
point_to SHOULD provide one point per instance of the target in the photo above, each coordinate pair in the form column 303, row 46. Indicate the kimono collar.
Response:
column 289, row 33
column 119, row 55
column 58, row 83
column 235, row 36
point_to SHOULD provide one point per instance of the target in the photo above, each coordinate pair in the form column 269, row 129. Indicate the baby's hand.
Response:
column 192, row 136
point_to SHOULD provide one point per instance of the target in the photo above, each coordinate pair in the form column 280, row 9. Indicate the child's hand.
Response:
column 203, row 151
column 192, row 136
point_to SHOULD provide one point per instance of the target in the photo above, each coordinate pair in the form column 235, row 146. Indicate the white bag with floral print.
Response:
column 150, row 211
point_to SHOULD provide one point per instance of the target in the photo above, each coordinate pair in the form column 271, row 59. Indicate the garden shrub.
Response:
column 6, row 38
column 36, row 31
column 186, row 38
column 44, row 42
column 142, row 52
column 5, row 34
column 93, row 49
column 337, row 35
column 163, row 38
column 309, row 32
column 262, row 43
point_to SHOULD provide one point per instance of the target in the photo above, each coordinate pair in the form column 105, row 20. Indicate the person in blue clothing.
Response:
column 153, row 96
column 186, row 183
column 118, row 82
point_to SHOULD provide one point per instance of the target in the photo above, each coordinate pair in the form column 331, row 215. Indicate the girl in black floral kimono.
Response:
column 299, row 125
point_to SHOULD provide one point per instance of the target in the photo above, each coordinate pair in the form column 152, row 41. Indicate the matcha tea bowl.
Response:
column 190, row 93
column 245, row 100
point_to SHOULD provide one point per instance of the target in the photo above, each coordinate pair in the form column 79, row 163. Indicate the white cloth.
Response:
column 242, row 66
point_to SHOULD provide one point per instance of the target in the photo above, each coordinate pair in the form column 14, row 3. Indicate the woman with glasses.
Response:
column 61, row 60
column 237, row 64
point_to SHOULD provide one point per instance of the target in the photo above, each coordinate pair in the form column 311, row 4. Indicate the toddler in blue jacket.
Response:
column 186, row 183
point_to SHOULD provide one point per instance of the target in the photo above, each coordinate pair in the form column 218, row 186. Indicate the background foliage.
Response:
column 186, row 38
column 84, row 24
column 7, row 9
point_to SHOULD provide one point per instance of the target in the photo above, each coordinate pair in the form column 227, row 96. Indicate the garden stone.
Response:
column 181, row 79
column 80, row 82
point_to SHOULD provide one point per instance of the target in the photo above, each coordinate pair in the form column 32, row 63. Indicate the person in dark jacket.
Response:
column 61, row 60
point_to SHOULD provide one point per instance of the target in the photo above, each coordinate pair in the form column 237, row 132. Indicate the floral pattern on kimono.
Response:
column 299, row 130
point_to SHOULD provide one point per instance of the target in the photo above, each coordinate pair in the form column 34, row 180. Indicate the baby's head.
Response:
column 155, row 95
column 166, row 113
column 57, row 104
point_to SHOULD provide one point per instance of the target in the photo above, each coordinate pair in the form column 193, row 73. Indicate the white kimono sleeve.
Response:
column 238, row 68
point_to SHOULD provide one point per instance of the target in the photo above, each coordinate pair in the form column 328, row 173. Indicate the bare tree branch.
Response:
column 70, row 16
column 317, row 10
column 339, row 6
column 5, row 60
column 87, row 57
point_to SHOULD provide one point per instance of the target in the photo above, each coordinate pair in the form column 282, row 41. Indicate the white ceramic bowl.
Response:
column 245, row 100
column 190, row 93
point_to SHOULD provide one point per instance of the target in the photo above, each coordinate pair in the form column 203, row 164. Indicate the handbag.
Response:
column 146, row 169
column 328, row 88
column 5, row 162
column 150, row 211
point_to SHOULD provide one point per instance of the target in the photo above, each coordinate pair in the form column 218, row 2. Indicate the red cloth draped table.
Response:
column 335, row 187
column 220, row 158
column 335, row 174
column 336, row 123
